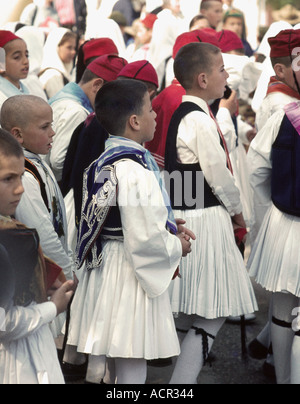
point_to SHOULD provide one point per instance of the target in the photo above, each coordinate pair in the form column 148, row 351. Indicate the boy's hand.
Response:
column 231, row 103
column 186, row 245
column 181, row 229
column 62, row 296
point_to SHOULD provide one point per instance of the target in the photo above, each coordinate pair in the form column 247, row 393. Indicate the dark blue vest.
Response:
column 172, row 164
column 285, row 181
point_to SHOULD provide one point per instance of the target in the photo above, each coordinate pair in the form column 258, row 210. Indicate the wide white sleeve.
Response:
column 20, row 322
column 33, row 212
column 66, row 120
column 260, row 164
column 197, row 132
column 227, row 127
column 153, row 252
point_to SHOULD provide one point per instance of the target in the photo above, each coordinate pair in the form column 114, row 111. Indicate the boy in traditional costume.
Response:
column 29, row 119
column 27, row 349
column 215, row 283
column 129, row 243
column 274, row 262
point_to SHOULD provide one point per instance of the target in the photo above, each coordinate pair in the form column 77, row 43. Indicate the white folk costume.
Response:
column 121, row 308
column 71, row 107
column 274, row 259
column 48, row 217
column 27, row 349
column 216, row 262
column 54, row 73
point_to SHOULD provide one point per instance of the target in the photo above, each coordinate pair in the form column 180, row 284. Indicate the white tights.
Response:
column 116, row 370
column 190, row 361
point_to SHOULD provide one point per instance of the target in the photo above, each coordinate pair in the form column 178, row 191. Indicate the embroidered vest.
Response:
column 172, row 165
column 285, row 180
column 108, row 221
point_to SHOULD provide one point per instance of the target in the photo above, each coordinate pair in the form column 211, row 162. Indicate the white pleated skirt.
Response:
column 274, row 261
column 214, row 280
column 112, row 315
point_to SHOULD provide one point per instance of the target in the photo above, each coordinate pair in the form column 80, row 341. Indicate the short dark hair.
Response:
column 9, row 146
column 116, row 101
column 88, row 76
column 193, row 59
column 284, row 60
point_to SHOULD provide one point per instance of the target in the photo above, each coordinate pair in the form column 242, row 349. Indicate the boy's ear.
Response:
column 97, row 84
column 202, row 80
column 17, row 133
column 280, row 70
column 134, row 122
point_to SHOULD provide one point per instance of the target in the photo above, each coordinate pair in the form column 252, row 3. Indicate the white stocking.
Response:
column 130, row 371
column 190, row 361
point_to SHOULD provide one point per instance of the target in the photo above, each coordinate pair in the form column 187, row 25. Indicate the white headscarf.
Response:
column 99, row 26
column 35, row 39
column 51, row 58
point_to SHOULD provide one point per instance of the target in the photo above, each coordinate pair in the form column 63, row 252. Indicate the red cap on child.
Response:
column 6, row 36
column 284, row 43
column 98, row 47
column 229, row 41
column 107, row 66
column 198, row 35
column 149, row 20
column 140, row 70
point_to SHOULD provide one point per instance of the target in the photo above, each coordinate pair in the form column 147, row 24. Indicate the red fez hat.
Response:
column 149, row 20
column 140, row 70
column 107, row 66
column 284, row 43
column 199, row 35
column 7, row 36
column 98, row 47
column 229, row 41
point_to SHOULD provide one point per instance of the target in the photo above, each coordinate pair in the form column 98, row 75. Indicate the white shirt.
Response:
column 273, row 102
column 27, row 349
column 198, row 141
column 67, row 115
column 33, row 212
column 260, row 166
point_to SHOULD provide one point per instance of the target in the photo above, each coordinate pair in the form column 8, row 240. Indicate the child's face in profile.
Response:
column 217, row 78
column 17, row 61
column 11, row 188
column 67, row 51
column 147, row 120
column 37, row 136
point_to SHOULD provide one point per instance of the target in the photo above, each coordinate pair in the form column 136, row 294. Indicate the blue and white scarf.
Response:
column 73, row 91
column 9, row 90
column 99, row 195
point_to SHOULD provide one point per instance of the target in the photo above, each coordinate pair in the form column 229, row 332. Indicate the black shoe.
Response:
column 73, row 373
column 257, row 350
column 269, row 370
column 160, row 363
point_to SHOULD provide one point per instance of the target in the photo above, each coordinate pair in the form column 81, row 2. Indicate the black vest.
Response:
column 187, row 172
column 285, row 180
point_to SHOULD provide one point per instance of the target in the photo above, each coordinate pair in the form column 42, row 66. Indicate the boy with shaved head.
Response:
column 29, row 119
